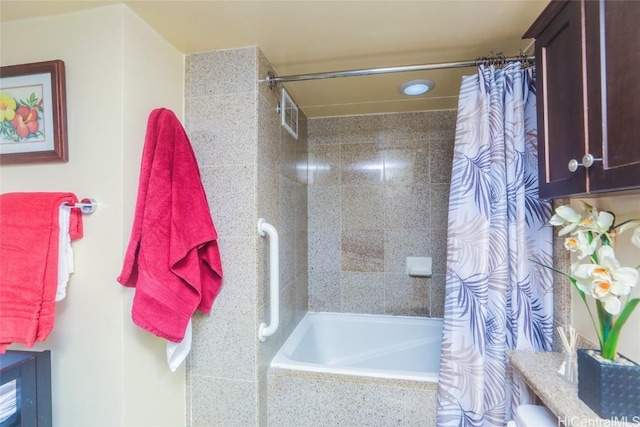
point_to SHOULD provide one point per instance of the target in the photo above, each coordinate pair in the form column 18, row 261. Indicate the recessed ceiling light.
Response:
column 417, row 87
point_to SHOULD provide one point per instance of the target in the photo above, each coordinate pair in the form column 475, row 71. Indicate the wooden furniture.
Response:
column 31, row 371
column 588, row 97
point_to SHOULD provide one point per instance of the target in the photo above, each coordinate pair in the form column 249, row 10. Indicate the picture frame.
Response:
column 33, row 117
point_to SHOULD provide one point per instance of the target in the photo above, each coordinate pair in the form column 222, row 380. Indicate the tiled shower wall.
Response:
column 250, row 169
column 282, row 201
column 378, row 193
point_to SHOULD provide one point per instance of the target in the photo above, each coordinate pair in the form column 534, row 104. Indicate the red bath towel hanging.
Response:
column 172, row 259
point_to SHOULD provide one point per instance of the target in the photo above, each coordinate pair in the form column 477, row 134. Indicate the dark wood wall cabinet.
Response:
column 588, row 91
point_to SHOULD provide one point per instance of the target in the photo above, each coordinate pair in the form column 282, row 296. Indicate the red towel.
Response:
column 173, row 258
column 29, row 234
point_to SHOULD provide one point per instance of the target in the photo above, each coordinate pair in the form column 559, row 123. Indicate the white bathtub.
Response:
column 366, row 345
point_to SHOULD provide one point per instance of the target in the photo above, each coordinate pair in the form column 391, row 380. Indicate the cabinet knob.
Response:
column 587, row 161
column 574, row 165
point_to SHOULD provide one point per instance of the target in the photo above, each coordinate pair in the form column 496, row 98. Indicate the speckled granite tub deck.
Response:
column 538, row 370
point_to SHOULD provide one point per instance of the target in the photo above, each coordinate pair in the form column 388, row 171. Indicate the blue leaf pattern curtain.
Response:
column 496, row 298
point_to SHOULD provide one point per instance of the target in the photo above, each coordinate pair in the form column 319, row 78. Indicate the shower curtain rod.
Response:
column 274, row 80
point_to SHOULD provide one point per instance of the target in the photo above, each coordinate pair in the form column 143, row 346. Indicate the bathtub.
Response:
column 381, row 346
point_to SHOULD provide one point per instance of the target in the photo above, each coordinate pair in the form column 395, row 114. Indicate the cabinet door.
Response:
column 613, row 58
column 560, row 98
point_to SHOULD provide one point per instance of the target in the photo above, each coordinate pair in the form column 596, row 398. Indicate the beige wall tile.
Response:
column 218, row 136
column 324, row 131
column 361, row 129
column 442, row 124
column 407, row 207
column 401, row 243
column 226, row 345
column 207, row 390
column 324, row 165
column 231, row 192
column 388, row 175
column 405, row 295
column 325, row 250
column 362, row 293
column 406, row 163
column 437, row 293
column 223, row 72
column 440, row 160
column 324, row 207
column 439, row 199
column 319, row 401
column 238, row 285
column 324, row 291
column 362, row 207
column 362, row 250
column 361, row 164
column 405, row 127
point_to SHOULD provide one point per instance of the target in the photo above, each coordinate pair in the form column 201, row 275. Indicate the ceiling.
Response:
column 306, row 36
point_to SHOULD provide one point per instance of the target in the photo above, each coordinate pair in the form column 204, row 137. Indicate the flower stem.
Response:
column 582, row 295
column 611, row 343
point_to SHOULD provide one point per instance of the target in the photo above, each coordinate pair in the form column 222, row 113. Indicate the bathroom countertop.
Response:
column 539, row 371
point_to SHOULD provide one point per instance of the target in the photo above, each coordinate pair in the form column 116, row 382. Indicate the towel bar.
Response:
column 86, row 206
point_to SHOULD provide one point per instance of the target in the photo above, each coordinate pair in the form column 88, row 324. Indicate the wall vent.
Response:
column 289, row 111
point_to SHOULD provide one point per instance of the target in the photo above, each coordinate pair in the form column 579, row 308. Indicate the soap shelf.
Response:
column 419, row 266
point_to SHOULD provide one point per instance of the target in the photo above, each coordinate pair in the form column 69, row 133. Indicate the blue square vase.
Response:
column 611, row 390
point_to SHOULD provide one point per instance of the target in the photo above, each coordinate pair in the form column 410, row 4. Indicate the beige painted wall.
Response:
column 106, row 371
column 624, row 207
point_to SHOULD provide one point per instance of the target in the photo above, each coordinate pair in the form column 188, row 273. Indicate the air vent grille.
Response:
column 289, row 113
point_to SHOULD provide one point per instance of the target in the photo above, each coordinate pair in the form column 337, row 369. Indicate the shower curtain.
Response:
column 496, row 298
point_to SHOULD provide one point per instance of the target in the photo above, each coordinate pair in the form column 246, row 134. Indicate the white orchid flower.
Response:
column 567, row 217
column 635, row 237
column 600, row 275
column 582, row 273
column 622, row 278
column 606, row 280
column 612, row 304
column 600, row 222
column 579, row 243
column 603, row 291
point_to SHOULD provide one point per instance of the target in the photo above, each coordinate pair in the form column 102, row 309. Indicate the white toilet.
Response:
column 533, row 416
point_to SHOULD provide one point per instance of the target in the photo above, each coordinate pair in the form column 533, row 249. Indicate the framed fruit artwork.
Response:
column 33, row 120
